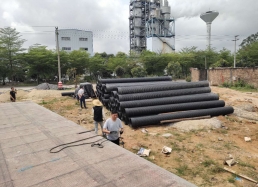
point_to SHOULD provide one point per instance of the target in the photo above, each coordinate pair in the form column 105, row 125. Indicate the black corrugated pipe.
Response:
column 113, row 93
column 155, row 119
column 113, row 87
column 158, row 87
column 151, row 110
column 143, row 79
column 106, row 96
column 105, row 102
column 159, row 94
column 167, row 100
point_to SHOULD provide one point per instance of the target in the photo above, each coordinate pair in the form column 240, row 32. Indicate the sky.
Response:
column 108, row 19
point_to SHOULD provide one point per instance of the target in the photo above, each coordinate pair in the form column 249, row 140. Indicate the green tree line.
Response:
column 40, row 64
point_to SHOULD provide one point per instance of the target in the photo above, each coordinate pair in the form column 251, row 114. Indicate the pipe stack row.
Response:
column 149, row 103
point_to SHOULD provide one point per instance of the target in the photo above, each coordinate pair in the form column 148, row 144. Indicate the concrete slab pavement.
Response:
column 28, row 132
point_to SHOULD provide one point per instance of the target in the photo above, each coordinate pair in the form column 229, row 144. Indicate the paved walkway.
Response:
column 27, row 133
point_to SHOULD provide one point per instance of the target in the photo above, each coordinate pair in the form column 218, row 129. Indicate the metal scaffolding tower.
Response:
column 148, row 19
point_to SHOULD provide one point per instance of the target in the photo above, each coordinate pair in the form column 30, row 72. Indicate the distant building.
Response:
column 73, row 39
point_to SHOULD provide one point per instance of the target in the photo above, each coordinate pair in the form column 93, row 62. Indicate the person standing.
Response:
column 13, row 93
column 113, row 128
column 76, row 93
column 82, row 97
column 98, row 115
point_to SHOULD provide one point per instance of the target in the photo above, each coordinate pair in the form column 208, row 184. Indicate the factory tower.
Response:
column 151, row 26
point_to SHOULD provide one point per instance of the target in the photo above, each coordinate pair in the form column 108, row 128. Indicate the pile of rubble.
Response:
column 46, row 86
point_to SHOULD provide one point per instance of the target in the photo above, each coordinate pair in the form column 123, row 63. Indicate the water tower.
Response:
column 208, row 17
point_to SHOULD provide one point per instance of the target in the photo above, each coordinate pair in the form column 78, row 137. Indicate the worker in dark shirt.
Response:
column 98, row 115
column 13, row 94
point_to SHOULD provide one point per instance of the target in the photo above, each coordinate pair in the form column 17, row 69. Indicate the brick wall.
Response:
column 218, row 76
column 195, row 74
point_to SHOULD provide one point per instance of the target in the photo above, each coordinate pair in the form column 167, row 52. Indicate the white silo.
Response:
column 208, row 17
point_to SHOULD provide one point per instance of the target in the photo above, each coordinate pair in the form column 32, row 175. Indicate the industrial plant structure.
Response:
column 151, row 26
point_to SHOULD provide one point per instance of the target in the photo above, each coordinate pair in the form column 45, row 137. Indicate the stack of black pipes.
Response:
column 139, row 104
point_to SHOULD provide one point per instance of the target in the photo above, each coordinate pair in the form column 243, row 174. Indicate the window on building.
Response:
column 65, row 38
column 83, row 48
column 83, row 39
column 66, row 48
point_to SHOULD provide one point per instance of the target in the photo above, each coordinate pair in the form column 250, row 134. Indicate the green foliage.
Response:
column 154, row 64
column 174, row 69
column 138, row 72
column 208, row 163
column 182, row 169
column 10, row 50
column 188, row 79
column 247, row 55
column 239, row 85
column 226, row 84
column 41, row 62
column 119, row 71
column 79, row 60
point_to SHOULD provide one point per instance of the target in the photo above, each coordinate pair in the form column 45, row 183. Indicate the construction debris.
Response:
column 247, row 139
column 166, row 150
column 241, row 175
column 46, row 86
column 144, row 152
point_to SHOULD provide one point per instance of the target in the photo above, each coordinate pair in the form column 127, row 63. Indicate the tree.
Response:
column 225, row 59
column 80, row 60
column 119, row 71
column 247, row 56
column 139, row 72
column 249, row 40
column 11, row 45
column 98, row 67
column 41, row 62
column 153, row 63
column 174, row 69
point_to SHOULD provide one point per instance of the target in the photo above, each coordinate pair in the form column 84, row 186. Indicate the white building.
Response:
column 73, row 39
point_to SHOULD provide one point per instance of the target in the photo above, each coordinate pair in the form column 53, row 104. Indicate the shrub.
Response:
column 188, row 79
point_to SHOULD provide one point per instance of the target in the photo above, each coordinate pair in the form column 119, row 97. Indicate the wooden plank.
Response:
column 241, row 175
column 183, row 119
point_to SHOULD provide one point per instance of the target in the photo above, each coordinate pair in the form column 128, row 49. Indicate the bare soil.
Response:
column 197, row 154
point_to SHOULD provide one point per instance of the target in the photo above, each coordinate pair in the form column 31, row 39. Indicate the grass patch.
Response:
column 240, row 86
column 221, row 131
column 208, row 163
column 216, row 169
column 182, row 170
column 245, row 164
column 175, row 146
column 232, row 179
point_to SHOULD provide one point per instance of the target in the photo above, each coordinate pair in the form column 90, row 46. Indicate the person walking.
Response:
column 113, row 128
column 82, row 97
column 98, row 115
column 13, row 93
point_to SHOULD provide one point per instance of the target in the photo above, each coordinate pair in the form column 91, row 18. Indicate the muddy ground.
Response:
column 198, row 152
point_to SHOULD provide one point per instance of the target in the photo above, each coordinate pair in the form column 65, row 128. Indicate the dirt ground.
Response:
column 198, row 154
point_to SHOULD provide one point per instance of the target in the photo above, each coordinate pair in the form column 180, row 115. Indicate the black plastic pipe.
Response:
column 143, row 79
column 151, row 110
column 113, row 87
column 159, row 87
column 159, row 94
column 155, row 119
column 167, row 100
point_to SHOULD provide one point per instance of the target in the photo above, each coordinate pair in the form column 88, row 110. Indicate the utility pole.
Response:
column 235, row 50
column 58, row 58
